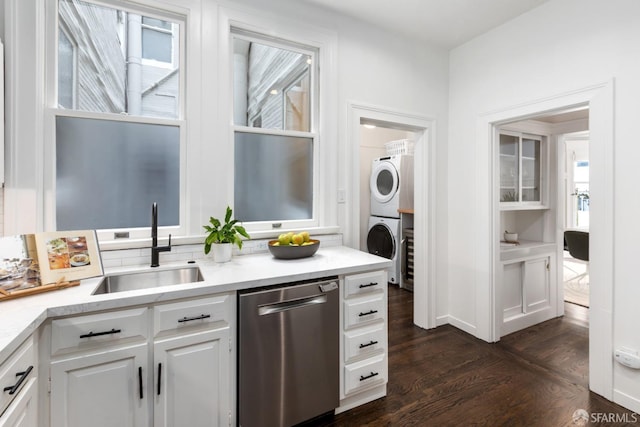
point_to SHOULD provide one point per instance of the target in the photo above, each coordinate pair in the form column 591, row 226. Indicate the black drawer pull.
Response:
column 23, row 376
column 368, row 344
column 366, row 377
column 140, row 381
column 189, row 319
column 159, row 378
column 368, row 313
column 97, row 334
column 368, row 285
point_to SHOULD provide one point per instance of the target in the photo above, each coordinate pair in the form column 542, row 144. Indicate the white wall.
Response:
column 562, row 46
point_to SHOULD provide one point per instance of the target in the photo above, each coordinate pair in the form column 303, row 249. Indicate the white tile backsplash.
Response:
column 141, row 257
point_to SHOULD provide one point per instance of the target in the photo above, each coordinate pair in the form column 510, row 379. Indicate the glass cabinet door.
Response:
column 530, row 170
column 509, row 168
column 520, row 169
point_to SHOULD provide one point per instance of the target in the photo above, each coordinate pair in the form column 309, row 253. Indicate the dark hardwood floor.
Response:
column 445, row 377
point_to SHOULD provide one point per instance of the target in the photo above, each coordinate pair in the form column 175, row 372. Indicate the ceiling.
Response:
column 446, row 23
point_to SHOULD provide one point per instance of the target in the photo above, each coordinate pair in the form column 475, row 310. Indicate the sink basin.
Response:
column 148, row 279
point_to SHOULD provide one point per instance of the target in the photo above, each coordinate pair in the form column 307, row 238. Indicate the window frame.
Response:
column 239, row 31
column 74, row 84
column 152, row 9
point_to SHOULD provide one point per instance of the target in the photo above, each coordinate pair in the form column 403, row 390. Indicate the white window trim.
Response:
column 62, row 27
column 325, row 206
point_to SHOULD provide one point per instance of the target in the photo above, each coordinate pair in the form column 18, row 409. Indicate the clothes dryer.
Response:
column 383, row 239
column 391, row 185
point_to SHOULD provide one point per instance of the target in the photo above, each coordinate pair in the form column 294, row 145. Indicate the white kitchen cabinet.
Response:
column 101, row 388
column 18, row 384
column 192, row 366
column 523, row 167
column 528, row 292
column 118, row 376
column 364, row 362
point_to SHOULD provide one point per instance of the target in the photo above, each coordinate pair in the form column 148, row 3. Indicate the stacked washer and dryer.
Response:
column 391, row 186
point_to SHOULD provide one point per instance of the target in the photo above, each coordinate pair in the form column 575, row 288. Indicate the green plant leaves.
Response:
column 224, row 233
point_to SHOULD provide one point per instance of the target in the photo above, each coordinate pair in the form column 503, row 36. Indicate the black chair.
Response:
column 577, row 243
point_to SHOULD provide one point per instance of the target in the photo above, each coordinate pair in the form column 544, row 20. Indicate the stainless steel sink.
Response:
column 148, row 279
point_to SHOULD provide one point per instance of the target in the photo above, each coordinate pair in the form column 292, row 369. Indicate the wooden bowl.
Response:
column 293, row 252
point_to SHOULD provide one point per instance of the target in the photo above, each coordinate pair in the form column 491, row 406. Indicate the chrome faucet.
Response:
column 155, row 249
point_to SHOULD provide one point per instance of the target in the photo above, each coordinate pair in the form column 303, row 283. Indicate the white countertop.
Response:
column 524, row 249
column 22, row 316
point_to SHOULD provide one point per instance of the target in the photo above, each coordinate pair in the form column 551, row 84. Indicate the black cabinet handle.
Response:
column 368, row 313
column 97, row 334
column 140, row 381
column 368, row 285
column 368, row 344
column 159, row 377
column 23, row 376
column 366, row 377
column 189, row 319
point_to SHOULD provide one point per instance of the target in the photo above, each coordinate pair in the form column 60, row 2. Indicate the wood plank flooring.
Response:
column 445, row 377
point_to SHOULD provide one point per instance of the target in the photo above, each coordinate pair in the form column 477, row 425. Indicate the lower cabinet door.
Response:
column 23, row 411
column 192, row 380
column 103, row 389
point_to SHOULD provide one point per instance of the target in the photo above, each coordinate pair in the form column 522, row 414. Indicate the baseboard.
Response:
column 362, row 398
column 629, row 402
column 462, row 325
column 442, row 320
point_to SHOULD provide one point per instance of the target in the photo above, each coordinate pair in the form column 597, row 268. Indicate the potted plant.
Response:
column 222, row 236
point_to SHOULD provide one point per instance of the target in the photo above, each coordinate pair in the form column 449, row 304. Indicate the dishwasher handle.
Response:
column 291, row 304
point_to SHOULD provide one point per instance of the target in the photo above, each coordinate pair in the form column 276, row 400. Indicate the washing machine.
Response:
column 383, row 239
column 391, row 185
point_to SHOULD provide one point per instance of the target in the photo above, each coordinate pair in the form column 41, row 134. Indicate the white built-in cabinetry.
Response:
column 364, row 351
column 19, row 388
column 144, row 366
column 527, row 269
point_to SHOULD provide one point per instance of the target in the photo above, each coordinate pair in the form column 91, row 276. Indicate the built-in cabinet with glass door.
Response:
column 521, row 170
column 527, row 266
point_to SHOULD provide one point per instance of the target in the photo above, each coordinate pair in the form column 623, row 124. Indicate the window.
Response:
column 66, row 70
column 117, row 138
column 274, row 117
column 157, row 40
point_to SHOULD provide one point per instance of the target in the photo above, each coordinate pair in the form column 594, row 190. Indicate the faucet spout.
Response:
column 155, row 249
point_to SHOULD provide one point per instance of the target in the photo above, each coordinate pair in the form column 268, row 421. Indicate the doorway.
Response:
column 600, row 100
column 422, row 130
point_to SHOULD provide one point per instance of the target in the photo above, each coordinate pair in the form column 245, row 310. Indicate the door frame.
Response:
column 600, row 99
column 424, row 306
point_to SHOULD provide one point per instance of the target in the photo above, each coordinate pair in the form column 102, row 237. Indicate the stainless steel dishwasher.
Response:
column 288, row 354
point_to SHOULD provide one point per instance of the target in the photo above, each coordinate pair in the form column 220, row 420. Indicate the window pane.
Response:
column 108, row 173
column 156, row 45
column 273, row 177
column 152, row 22
column 262, row 76
column 110, row 74
column 65, row 72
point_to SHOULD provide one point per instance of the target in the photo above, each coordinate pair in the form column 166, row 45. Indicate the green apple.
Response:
column 297, row 239
column 284, row 239
column 306, row 236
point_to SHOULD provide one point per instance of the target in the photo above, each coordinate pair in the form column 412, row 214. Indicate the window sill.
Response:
column 113, row 245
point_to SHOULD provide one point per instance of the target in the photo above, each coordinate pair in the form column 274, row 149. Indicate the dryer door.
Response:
column 384, row 181
column 380, row 241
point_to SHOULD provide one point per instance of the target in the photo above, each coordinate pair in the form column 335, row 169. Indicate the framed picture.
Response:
column 68, row 256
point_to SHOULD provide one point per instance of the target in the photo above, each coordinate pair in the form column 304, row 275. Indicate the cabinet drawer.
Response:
column 86, row 332
column 365, row 374
column 364, row 342
column 364, row 310
column 201, row 312
column 16, row 372
column 357, row 284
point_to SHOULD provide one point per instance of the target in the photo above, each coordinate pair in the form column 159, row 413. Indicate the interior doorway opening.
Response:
column 421, row 129
column 537, row 158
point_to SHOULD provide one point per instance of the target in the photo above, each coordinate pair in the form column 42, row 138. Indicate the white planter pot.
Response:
column 221, row 252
